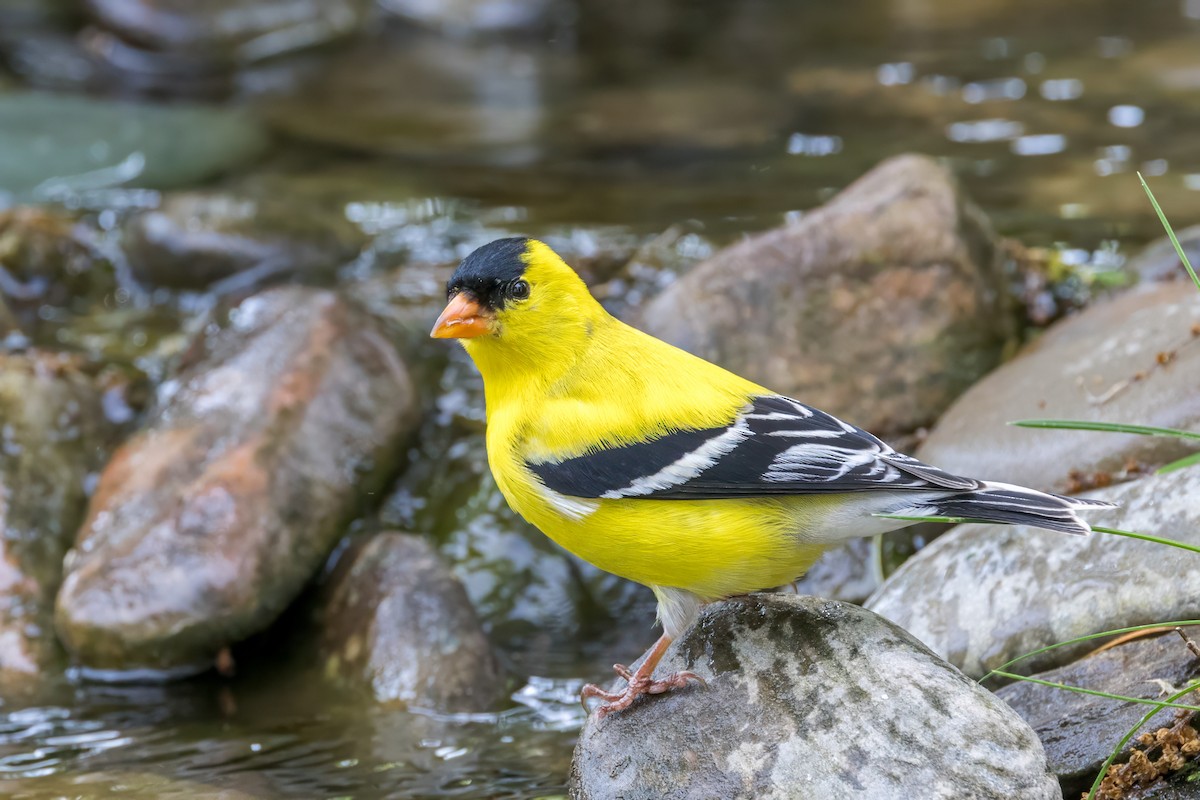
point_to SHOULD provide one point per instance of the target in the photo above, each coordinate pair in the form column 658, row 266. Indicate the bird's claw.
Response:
column 636, row 687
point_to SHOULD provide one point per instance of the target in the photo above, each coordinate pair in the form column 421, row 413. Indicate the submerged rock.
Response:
column 465, row 17
column 1079, row 731
column 883, row 305
column 232, row 28
column 195, row 239
column 53, row 433
column 394, row 620
column 53, row 146
column 809, row 698
column 984, row 594
column 204, row 526
column 48, row 258
column 1134, row 359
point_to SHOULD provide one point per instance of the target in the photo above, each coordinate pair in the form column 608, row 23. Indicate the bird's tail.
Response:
column 1013, row 505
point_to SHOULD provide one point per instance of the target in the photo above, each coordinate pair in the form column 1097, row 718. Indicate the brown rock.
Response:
column 52, row 433
column 1133, row 359
column 206, row 524
column 881, row 306
column 395, row 621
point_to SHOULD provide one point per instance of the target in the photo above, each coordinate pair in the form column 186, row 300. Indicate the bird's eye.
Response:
column 519, row 290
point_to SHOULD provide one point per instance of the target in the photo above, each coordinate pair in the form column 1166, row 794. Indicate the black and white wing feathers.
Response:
column 776, row 446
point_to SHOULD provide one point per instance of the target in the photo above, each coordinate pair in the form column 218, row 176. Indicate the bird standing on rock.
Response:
column 665, row 469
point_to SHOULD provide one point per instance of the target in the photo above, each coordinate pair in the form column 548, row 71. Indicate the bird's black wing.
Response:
column 775, row 446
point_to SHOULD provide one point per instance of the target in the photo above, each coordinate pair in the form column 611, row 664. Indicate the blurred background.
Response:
column 161, row 157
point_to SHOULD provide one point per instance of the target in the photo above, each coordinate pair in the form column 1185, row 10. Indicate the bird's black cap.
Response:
column 490, row 271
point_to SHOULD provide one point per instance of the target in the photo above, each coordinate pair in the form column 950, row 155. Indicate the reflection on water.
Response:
column 609, row 123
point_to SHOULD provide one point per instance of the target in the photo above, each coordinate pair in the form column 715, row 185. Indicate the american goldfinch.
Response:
column 665, row 469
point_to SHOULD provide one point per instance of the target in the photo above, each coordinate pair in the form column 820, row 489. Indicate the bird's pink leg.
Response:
column 639, row 683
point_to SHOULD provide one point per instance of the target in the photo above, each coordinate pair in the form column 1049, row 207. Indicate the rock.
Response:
column 984, row 594
column 53, row 146
column 1079, row 731
column 810, row 698
column 8, row 323
column 427, row 98
column 204, row 526
column 48, row 258
column 704, row 115
column 1133, row 359
column 1158, row 261
column 53, row 433
column 244, row 30
column 197, row 238
column 466, row 17
column 881, row 306
column 395, row 621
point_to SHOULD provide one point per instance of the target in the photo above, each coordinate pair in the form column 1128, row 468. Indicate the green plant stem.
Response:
column 1095, row 692
column 1178, row 623
column 1170, row 232
column 1145, row 537
column 1109, row 427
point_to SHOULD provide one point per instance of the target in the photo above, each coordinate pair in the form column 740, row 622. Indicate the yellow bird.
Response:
column 659, row 467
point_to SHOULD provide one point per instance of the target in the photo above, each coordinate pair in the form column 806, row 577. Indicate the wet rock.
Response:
column 47, row 258
column 1079, row 731
column 195, row 239
column 1158, row 261
column 55, row 146
column 247, row 31
column 53, row 433
column 1133, row 359
column 882, row 306
column 669, row 117
column 810, row 698
column 426, row 98
column 465, row 17
column 394, row 620
column 984, row 594
column 282, row 418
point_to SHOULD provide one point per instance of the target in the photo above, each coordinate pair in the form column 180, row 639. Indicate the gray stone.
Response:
column 283, row 416
column 809, row 698
column 245, row 29
column 195, row 239
column 395, row 621
column 984, row 594
column 1079, row 731
column 1158, row 261
column 882, row 306
column 49, row 150
column 1134, row 359
column 465, row 17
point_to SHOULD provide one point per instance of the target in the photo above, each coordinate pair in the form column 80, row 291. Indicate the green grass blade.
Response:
column 1111, row 427
column 1108, row 762
column 1145, row 537
column 1178, row 623
column 1170, row 232
column 1096, row 693
column 1186, row 461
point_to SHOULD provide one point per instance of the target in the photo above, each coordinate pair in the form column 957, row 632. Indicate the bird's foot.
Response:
column 638, row 685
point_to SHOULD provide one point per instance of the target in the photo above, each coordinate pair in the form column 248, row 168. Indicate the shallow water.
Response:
column 616, row 122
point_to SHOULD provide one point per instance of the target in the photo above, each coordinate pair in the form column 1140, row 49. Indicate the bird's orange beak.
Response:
column 464, row 318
